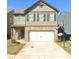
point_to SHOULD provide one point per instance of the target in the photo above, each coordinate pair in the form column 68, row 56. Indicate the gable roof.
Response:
column 35, row 5
column 20, row 11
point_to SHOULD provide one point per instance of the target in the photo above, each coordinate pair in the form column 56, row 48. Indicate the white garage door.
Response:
column 41, row 36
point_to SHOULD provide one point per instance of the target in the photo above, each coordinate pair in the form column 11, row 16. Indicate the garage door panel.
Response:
column 41, row 36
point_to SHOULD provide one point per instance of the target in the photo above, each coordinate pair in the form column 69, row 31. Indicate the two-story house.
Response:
column 36, row 23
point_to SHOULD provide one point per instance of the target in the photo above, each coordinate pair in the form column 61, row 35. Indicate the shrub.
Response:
column 32, row 46
column 17, row 42
column 14, row 41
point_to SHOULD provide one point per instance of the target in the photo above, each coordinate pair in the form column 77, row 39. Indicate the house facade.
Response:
column 36, row 23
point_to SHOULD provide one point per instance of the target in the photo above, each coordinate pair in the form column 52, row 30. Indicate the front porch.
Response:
column 18, row 33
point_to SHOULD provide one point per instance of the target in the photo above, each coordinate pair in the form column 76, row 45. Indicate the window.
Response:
column 30, row 17
column 51, row 16
column 19, row 19
column 41, row 17
column 11, row 20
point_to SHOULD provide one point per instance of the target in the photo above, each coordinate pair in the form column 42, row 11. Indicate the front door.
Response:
column 21, row 34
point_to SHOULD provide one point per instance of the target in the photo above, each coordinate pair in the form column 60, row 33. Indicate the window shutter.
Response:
column 55, row 16
column 47, row 16
column 34, row 17
column 44, row 16
column 37, row 17
column 27, row 17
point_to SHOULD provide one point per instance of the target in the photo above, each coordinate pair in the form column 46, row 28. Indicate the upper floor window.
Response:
column 19, row 18
column 41, row 17
column 30, row 17
column 11, row 20
column 51, row 16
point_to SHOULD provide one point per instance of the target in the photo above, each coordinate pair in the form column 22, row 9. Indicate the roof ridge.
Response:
column 37, row 3
column 41, row 0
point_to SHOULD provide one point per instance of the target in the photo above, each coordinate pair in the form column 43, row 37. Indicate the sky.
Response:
column 62, row 5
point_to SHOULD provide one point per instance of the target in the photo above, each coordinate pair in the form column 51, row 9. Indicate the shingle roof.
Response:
column 20, row 11
column 23, row 11
column 38, row 2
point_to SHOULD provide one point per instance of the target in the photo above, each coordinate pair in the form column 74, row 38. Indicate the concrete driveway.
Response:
column 42, row 50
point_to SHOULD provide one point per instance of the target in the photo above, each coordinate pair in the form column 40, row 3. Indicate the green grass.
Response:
column 13, row 48
column 67, row 45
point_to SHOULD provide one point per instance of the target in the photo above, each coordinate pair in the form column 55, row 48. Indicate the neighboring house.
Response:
column 36, row 23
column 9, row 23
column 65, row 19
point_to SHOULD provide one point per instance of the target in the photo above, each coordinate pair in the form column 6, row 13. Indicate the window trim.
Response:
column 28, row 19
column 43, row 17
column 48, row 17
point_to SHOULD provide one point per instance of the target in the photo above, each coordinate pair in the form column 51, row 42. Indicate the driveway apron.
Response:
column 42, row 50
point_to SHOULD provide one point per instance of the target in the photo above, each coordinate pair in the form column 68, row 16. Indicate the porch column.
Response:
column 26, row 34
column 56, row 37
column 13, row 36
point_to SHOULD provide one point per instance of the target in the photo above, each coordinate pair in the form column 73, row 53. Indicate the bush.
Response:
column 14, row 41
column 17, row 42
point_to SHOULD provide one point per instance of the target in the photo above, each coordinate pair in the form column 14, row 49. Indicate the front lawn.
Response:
column 67, row 45
column 13, row 48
